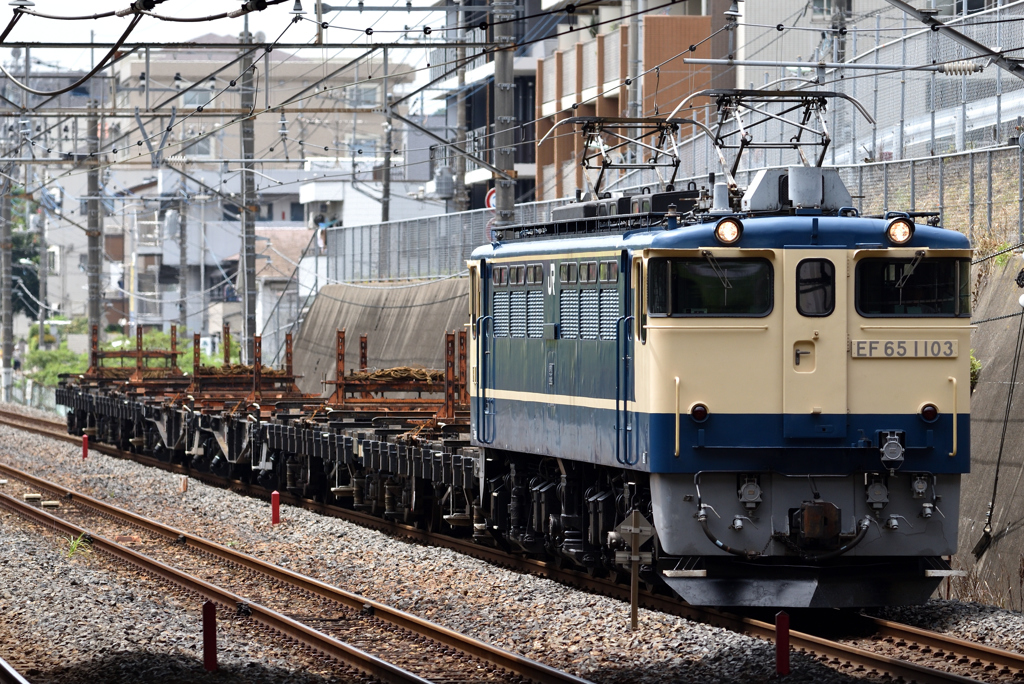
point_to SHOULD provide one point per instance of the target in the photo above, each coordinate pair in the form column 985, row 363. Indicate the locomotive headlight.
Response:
column 900, row 231
column 728, row 231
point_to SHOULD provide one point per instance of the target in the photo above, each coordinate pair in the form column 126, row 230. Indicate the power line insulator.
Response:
column 961, row 68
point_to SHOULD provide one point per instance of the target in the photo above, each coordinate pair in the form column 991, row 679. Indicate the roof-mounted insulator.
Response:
column 962, row 68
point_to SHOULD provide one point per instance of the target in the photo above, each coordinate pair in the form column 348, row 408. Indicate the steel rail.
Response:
column 8, row 675
column 832, row 651
column 1007, row 660
column 498, row 657
column 346, row 653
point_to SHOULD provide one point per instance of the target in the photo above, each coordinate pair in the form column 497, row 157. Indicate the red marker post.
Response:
column 782, row 643
column 275, row 509
column 209, row 637
column 85, row 447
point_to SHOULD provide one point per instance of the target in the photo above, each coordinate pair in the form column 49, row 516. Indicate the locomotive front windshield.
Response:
column 709, row 287
column 914, row 287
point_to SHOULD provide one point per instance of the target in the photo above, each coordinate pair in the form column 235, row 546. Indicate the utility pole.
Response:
column 94, row 232
column 504, row 109
column 43, row 263
column 461, row 198
column 248, row 198
column 5, row 289
column 385, row 202
column 183, row 262
column 202, row 262
column 41, row 271
column 633, row 69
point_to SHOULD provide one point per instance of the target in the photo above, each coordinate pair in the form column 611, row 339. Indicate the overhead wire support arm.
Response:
column 447, row 143
column 951, row 68
column 928, row 18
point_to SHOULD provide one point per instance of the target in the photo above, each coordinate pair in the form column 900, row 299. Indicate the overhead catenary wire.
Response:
column 99, row 67
column 221, row 127
column 374, row 79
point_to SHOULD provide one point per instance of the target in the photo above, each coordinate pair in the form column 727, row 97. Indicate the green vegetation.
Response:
column 79, row 544
column 1002, row 259
column 157, row 339
column 43, row 366
column 975, row 370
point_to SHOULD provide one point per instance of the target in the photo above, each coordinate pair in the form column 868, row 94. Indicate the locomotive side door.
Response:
column 815, row 291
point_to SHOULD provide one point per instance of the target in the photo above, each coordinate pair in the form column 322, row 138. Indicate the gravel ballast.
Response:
column 88, row 618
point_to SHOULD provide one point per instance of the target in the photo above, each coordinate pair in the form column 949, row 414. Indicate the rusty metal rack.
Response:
column 403, row 390
column 139, row 375
column 233, row 386
column 243, row 420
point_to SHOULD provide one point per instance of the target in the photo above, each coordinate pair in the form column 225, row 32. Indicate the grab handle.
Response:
column 953, row 380
column 677, row 417
column 481, row 380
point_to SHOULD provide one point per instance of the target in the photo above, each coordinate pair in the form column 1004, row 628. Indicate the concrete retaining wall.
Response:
column 405, row 326
column 1001, row 568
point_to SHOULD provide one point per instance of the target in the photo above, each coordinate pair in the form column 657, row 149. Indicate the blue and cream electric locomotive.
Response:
column 780, row 385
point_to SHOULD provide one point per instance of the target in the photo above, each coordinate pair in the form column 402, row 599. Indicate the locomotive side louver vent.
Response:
column 569, row 314
column 517, row 314
column 589, row 315
column 535, row 313
column 609, row 313
column 501, row 314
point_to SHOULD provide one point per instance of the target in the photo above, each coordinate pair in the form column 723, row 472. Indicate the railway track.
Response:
column 369, row 636
column 924, row 656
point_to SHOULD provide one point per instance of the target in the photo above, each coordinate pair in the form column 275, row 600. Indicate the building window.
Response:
column 297, row 213
column 364, row 147
column 822, row 8
column 363, row 95
column 197, row 97
column 202, row 147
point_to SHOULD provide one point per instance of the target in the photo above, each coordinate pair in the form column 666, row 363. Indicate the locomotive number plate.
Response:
column 904, row 349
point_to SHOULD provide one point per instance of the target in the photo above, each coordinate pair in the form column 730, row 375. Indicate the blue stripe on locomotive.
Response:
column 725, row 442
